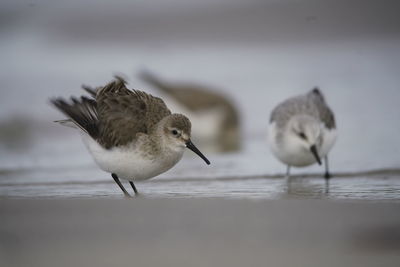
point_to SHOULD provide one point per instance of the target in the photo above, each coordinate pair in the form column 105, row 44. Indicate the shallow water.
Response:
column 217, row 182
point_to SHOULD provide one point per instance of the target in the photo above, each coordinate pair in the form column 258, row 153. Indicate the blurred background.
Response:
column 226, row 64
column 242, row 57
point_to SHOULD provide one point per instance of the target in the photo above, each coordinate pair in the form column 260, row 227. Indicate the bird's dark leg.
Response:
column 116, row 179
column 134, row 188
column 327, row 175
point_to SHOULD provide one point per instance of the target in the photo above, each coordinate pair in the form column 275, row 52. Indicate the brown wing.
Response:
column 124, row 113
column 92, row 91
column 82, row 112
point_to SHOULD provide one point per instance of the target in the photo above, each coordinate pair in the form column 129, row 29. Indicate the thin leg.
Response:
column 116, row 179
column 327, row 174
column 134, row 188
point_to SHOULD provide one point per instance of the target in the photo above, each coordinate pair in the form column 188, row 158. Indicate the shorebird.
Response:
column 129, row 133
column 215, row 117
column 302, row 130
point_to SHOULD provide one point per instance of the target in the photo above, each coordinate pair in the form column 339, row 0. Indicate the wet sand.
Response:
column 88, row 182
column 198, row 232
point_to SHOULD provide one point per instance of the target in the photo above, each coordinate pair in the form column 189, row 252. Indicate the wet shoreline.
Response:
column 373, row 185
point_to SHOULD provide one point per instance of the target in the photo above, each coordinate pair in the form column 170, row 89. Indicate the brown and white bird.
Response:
column 129, row 133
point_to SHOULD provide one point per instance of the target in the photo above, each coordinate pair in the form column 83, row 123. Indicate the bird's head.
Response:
column 177, row 133
column 306, row 131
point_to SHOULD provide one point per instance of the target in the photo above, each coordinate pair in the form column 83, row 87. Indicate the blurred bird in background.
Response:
column 216, row 122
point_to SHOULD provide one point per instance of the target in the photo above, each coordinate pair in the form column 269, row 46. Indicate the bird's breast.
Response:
column 132, row 163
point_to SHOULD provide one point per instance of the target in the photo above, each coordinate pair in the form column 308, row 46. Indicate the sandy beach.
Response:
column 206, row 232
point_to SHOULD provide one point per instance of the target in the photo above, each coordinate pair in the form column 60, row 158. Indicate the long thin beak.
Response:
column 313, row 149
column 192, row 147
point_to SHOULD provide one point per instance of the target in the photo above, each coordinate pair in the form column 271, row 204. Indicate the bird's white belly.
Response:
column 292, row 153
column 130, row 164
column 329, row 139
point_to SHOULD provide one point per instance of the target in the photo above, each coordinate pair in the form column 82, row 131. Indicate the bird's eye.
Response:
column 174, row 132
column 303, row 136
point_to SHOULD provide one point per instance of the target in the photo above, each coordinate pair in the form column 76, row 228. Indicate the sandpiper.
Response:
column 129, row 133
column 215, row 117
column 302, row 130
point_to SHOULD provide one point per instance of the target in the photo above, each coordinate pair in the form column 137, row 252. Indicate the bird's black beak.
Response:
column 192, row 147
column 314, row 151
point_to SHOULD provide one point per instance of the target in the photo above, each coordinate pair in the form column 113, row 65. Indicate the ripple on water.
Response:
column 373, row 187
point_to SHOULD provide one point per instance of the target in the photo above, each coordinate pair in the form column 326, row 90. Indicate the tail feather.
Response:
column 67, row 123
column 82, row 112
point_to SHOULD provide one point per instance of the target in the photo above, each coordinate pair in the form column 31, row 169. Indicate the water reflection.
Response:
column 375, row 187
